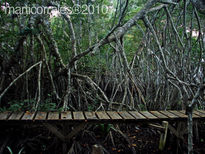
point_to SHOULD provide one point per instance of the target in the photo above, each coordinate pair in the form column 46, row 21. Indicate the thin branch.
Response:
column 28, row 70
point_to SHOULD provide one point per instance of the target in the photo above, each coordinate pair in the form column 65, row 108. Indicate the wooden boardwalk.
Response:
column 99, row 116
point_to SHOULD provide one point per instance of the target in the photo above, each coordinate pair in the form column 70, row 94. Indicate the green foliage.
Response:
column 3, row 109
column 15, row 107
column 21, row 105
column 89, row 30
column 90, row 107
column 48, row 105
column 142, row 107
column 27, row 105
column 105, row 128
column 61, row 109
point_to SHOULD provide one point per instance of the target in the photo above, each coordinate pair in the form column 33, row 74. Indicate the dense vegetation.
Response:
column 114, row 55
column 78, row 64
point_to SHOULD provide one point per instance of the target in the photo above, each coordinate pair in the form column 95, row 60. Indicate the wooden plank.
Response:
column 66, row 115
column 78, row 115
column 16, row 116
column 169, row 114
column 40, row 116
column 148, row 115
column 199, row 113
column 90, row 115
column 4, row 115
column 114, row 115
column 28, row 116
column 193, row 115
column 126, row 115
column 179, row 114
column 102, row 115
column 53, row 116
column 159, row 115
column 137, row 115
